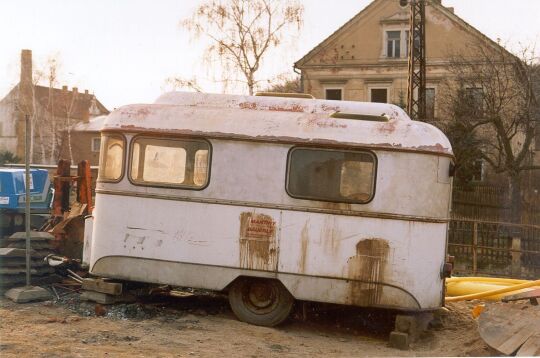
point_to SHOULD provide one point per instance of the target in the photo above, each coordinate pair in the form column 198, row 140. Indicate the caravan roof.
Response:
column 290, row 120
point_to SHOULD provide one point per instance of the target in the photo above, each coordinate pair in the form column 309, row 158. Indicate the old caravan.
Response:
column 274, row 199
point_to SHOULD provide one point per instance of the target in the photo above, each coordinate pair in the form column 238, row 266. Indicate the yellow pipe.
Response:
column 493, row 292
column 462, row 288
column 486, row 279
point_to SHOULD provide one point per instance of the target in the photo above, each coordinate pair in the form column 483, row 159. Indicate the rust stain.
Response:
column 303, row 247
column 436, row 148
column 328, row 108
column 248, row 105
column 257, row 242
column 388, row 127
column 366, row 271
column 293, row 108
column 331, row 235
column 330, row 124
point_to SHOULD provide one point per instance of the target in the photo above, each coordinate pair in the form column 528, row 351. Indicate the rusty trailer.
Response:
column 274, row 199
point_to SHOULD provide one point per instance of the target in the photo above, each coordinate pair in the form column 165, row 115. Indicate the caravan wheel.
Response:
column 261, row 302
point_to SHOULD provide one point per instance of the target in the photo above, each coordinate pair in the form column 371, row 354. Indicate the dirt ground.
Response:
column 203, row 325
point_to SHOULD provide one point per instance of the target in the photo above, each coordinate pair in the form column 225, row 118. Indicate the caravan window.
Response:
column 331, row 175
column 111, row 162
column 170, row 162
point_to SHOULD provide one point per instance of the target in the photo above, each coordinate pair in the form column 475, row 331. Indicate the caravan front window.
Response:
column 170, row 162
column 331, row 175
column 111, row 161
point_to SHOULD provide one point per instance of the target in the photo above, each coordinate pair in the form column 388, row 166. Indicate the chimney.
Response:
column 26, row 67
column 64, row 88
column 25, row 100
column 75, row 90
column 85, row 91
column 451, row 9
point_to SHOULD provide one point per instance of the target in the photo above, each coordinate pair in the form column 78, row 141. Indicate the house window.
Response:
column 477, row 170
column 430, row 103
column 96, row 144
column 331, row 175
column 474, row 101
column 170, row 162
column 335, row 94
column 393, row 44
column 379, row 95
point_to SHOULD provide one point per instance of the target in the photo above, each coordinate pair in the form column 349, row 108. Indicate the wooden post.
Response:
column 61, row 188
column 84, row 187
column 474, row 247
column 516, row 255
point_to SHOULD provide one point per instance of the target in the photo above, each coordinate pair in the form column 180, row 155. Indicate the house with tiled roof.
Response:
column 52, row 112
column 366, row 58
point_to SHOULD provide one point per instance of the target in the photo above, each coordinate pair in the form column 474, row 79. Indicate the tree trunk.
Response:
column 250, row 83
column 515, row 198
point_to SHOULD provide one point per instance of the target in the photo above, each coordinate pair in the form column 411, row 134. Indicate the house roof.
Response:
column 59, row 102
column 287, row 120
column 434, row 3
column 93, row 125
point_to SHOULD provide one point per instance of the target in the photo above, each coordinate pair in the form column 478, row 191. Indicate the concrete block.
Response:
column 414, row 325
column 28, row 294
column 399, row 340
column 34, row 235
column 404, row 323
column 10, row 252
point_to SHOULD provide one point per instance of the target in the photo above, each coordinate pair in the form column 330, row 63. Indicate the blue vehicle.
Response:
column 12, row 199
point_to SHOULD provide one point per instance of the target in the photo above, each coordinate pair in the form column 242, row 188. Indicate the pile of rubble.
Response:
column 13, row 260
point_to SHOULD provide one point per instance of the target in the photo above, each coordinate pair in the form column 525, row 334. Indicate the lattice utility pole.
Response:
column 416, row 106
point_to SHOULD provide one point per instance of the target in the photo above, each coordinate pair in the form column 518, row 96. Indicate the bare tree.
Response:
column 52, row 73
column 491, row 101
column 285, row 84
column 242, row 32
column 181, row 83
column 68, row 107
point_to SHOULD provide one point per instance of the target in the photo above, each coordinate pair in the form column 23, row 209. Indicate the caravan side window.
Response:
column 170, row 162
column 331, row 175
column 111, row 161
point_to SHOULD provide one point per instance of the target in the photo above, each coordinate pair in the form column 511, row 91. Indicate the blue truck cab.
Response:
column 12, row 198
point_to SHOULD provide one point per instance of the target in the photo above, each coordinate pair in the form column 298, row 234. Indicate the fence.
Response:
column 492, row 248
column 492, row 203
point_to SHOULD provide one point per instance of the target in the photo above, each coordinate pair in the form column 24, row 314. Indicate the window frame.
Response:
column 93, row 147
column 470, row 95
column 434, row 88
column 346, row 149
column 341, row 89
column 165, row 185
column 394, row 47
column 371, row 88
column 123, row 172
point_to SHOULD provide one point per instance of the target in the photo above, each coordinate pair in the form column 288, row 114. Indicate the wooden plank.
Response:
column 506, row 326
column 100, row 285
column 531, row 348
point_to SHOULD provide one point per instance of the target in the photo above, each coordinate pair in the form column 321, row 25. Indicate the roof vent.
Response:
column 281, row 94
column 358, row 116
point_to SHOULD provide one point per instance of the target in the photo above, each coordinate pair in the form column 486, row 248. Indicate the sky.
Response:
column 124, row 50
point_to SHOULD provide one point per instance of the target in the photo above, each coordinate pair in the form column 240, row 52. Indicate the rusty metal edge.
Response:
column 279, row 140
column 274, row 274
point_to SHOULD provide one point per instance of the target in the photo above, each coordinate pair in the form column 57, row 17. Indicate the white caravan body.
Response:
column 341, row 202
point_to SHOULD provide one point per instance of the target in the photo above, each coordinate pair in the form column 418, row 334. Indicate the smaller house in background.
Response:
column 51, row 110
column 85, row 140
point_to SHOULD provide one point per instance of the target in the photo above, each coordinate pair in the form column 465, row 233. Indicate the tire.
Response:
column 261, row 302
